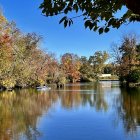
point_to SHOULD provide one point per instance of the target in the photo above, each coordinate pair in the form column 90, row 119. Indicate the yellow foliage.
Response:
column 2, row 19
column 9, row 82
column 41, row 81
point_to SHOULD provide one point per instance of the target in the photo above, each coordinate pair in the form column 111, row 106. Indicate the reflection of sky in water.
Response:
column 78, row 112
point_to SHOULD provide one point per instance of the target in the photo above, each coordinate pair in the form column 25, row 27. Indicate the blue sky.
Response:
column 75, row 39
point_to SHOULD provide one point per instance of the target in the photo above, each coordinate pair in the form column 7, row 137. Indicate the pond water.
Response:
column 89, row 111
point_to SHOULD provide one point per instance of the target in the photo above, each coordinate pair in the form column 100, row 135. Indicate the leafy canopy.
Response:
column 98, row 15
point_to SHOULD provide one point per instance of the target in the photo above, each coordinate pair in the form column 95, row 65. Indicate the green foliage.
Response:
column 92, row 67
column 98, row 60
column 86, row 70
column 61, row 79
column 133, row 76
column 98, row 15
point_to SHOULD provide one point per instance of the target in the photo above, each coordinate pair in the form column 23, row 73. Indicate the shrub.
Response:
column 133, row 76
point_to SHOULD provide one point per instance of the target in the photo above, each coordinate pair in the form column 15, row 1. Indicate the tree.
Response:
column 53, row 69
column 97, row 62
column 71, row 64
column 6, row 53
column 133, row 76
column 109, row 69
column 127, row 57
column 98, row 15
column 22, row 62
column 86, row 70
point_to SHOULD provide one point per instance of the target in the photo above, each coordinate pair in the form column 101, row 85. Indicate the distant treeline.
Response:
column 24, row 64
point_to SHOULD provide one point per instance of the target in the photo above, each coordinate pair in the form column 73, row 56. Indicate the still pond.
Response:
column 90, row 111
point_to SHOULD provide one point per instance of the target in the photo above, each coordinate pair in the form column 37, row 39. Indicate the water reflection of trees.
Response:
column 75, row 99
column 20, row 111
column 78, row 95
column 129, row 109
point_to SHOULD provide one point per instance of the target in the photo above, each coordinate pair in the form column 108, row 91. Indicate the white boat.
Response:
column 43, row 88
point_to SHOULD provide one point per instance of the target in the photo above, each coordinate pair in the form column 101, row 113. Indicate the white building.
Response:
column 104, row 75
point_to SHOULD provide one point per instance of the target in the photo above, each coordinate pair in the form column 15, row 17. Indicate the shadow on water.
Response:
column 21, row 111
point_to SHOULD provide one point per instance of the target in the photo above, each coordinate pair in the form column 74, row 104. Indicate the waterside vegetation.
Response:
column 24, row 64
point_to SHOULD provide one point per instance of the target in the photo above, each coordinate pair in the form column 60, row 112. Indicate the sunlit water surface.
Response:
column 90, row 111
